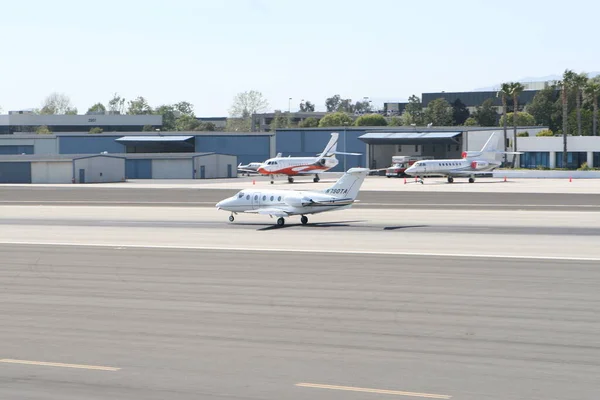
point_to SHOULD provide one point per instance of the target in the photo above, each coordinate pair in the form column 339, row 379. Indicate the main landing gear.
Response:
column 450, row 179
column 272, row 179
column 280, row 221
column 316, row 179
column 290, row 179
column 471, row 180
column 304, row 220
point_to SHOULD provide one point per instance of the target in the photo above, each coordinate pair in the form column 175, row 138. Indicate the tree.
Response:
column 439, row 112
column 460, row 112
column 584, row 119
column 116, row 105
column 247, row 103
column 333, row 103
column 566, row 84
column 471, row 122
column 96, row 108
column 395, row 121
column 279, row 121
column 307, row 106
column 523, row 119
column 504, row 93
column 187, row 123
column 96, row 130
column 310, row 122
column 335, row 119
column 486, row 114
column 414, row 112
column 43, row 130
column 371, row 120
column 238, row 125
column 362, row 107
column 543, row 108
column 57, row 103
column 592, row 92
column 148, row 128
column 139, row 106
column 516, row 88
column 168, row 116
column 579, row 82
column 185, row 108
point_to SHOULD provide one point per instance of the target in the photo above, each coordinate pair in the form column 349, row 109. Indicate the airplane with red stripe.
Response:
column 298, row 166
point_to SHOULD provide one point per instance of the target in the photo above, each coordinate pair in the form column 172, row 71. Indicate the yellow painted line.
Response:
column 52, row 364
column 376, row 391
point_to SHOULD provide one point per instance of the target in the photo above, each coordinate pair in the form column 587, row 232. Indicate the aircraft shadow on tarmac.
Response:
column 336, row 224
column 478, row 182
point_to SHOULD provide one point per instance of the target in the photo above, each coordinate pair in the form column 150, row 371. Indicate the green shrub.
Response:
column 523, row 134
column 545, row 132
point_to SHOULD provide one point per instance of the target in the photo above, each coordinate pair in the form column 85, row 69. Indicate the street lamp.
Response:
column 289, row 105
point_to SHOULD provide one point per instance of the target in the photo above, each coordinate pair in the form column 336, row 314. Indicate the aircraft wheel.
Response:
column 272, row 182
column 315, row 180
column 450, row 179
column 280, row 221
column 304, row 220
column 471, row 180
column 231, row 219
column 291, row 180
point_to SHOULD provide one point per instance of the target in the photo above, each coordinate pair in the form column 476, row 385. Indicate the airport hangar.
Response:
column 147, row 154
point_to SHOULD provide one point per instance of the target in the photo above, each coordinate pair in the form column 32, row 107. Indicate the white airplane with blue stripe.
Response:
column 287, row 203
column 472, row 164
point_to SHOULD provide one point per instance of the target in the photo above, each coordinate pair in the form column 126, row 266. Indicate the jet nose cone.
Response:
column 218, row 205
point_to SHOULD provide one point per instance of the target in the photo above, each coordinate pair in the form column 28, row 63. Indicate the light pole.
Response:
column 289, row 105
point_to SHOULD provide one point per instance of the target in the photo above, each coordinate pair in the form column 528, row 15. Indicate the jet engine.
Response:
column 322, row 161
column 297, row 201
column 477, row 165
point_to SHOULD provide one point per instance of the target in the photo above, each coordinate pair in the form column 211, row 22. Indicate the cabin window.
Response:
column 248, row 197
column 255, row 197
column 279, row 198
column 264, row 198
column 272, row 198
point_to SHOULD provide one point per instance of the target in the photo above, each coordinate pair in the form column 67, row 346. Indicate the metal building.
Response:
column 61, row 168
column 180, row 165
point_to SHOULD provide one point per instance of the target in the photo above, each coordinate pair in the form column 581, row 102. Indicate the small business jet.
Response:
column 472, row 164
column 293, row 166
column 287, row 203
column 252, row 167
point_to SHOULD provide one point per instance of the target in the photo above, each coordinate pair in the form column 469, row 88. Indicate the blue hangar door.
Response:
column 138, row 169
column 15, row 172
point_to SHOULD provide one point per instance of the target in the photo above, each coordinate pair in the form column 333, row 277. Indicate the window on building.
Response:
column 399, row 148
column 416, row 147
column 574, row 159
column 535, row 159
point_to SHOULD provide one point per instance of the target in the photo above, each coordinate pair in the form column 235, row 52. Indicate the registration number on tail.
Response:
column 337, row 191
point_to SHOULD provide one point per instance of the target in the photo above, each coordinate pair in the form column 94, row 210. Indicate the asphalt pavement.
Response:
column 125, row 323
column 203, row 197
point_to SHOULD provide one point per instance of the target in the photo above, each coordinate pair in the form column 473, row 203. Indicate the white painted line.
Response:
column 376, row 391
column 61, row 365
column 296, row 250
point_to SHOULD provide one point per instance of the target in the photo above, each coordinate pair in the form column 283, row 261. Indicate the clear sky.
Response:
column 206, row 51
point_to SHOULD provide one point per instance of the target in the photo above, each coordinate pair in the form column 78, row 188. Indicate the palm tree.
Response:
column 566, row 84
column 579, row 82
column 516, row 89
column 504, row 92
column 592, row 91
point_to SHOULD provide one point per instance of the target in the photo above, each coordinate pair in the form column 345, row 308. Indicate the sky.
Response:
column 207, row 51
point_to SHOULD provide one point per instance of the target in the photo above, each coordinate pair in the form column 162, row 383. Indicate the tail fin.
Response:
column 491, row 145
column 349, row 184
column 331, row 147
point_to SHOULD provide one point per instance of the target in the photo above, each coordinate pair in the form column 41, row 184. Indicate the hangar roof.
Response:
column 154, row 138
column 409, row 137
column 129, row 156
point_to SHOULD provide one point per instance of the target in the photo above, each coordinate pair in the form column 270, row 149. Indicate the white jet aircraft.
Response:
column 286, row 203
column 252, row 167
column 292, row 166
column 473, row 163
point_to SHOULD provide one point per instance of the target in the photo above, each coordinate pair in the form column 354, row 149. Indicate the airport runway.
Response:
column 132, row 323
column 177, row 197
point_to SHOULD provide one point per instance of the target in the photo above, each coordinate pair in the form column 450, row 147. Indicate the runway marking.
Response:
column 376, row 391
column 296, row 250
column 61, row 365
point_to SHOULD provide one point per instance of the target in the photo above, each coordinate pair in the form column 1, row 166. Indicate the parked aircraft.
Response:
column 251, row 168
column 293, row 166
column 286, row 203
column 472, row 164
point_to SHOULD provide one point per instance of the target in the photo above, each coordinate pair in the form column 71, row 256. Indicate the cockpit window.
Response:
column 240, row 195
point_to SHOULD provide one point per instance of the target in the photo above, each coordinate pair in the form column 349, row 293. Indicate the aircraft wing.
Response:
column 277, row 212
column 247, row 170
column 468, row 173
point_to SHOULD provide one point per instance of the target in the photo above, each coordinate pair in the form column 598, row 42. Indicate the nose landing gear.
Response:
column 231, row 218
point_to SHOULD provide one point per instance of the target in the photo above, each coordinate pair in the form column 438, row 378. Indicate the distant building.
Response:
column 28, row 122
column 262, row 122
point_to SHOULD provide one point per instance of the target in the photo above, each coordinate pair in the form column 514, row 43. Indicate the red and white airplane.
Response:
column 294, row 166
